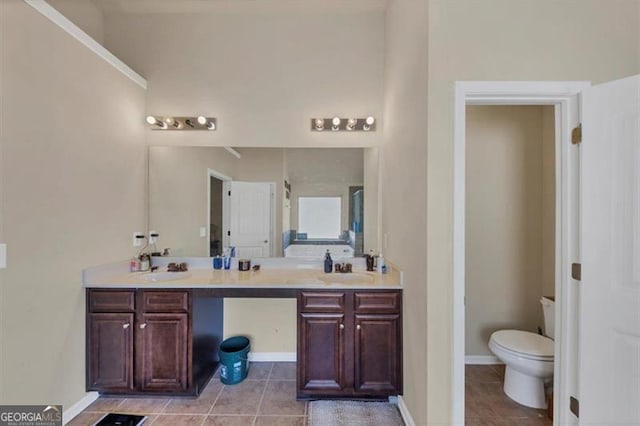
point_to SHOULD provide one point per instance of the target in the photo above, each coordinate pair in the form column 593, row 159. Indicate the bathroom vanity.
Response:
column 147, row 337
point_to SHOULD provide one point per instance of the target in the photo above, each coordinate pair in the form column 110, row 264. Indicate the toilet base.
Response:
column 524, row 389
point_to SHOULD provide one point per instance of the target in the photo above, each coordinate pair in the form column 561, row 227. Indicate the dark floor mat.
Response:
column 117, row 419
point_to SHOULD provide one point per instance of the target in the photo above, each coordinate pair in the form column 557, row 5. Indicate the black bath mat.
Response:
column 117, row 419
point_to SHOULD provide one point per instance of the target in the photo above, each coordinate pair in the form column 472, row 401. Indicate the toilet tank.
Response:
column 549, row 312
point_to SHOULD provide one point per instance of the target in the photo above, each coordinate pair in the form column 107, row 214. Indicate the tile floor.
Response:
column 266, row 397
column 487, row 405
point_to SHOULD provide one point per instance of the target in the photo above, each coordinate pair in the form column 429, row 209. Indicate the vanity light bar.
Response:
column 182, row 123
column 337, row 124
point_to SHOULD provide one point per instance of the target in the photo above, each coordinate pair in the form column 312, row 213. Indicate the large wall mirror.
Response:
column 266, row 202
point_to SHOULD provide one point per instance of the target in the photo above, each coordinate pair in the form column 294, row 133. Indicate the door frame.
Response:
column 226, row 181
column 562, row 95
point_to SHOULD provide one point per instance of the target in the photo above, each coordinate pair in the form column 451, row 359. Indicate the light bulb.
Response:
column 351, row 123
column 368, row 122
column 151, row 119
column 211, row 125
column 162, row 125
column 202, row 120
column 319, row 123
column 169, row 121
column 335, row 121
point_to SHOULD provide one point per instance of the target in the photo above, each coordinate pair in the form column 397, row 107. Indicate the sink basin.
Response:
column 165, row 276
column 348, row 278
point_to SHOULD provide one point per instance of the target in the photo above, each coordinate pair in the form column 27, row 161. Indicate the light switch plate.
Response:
column 203, row 231
column 3, row 256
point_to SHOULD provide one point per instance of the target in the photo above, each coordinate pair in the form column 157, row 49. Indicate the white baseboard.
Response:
column 272, row 356
column 78, row 407
column 481, row 360
column 404, row 412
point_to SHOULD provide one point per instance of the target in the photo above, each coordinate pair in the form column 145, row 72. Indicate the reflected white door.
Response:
column 250, row 219
column 609, row 378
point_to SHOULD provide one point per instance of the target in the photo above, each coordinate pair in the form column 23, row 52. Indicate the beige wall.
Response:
column 83, row 13
column 403, row 183
column 502, row 40
column 73, row 191
column 506, row 190
column 270, row 324
column 264, row 72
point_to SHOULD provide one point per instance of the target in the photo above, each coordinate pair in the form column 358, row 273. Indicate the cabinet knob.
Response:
column 126, row 325
column 341, row 326
column 358, row 327
column 143, row 325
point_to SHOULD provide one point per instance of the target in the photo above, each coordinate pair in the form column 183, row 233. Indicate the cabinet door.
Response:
column 110, row 352
column 321, row 353
column 163, row 352
column 377, row 354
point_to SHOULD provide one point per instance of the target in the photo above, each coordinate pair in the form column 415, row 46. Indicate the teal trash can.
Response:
column 234, row 360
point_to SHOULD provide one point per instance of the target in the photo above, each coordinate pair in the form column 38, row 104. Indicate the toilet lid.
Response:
column 524, row 342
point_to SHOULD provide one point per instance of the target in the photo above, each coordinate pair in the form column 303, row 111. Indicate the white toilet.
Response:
column 528, row 358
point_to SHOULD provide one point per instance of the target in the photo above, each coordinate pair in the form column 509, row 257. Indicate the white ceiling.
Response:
column 203, row 6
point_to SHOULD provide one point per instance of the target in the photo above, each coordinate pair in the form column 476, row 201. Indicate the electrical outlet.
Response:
column 3, row 256
column 203, row 231
column 137, row 239
column 153, row 237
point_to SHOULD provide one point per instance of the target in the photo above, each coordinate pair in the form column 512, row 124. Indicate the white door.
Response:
column 250, row 219
column 609, row 378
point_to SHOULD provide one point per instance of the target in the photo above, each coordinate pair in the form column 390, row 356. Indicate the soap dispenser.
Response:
column 328, row 263
column 371, row 260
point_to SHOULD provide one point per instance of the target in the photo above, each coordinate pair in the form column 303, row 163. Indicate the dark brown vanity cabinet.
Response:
column 349, row 344
column 142, row 342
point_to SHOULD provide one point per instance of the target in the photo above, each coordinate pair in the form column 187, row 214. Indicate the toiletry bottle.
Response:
column 145, row 262
column 370, row 258
column 134, row 264
column 382, row 266
column 328, row 262
column 227, row 260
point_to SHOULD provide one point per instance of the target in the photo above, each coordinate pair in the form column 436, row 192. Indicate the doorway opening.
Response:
column 215, row 216
column 510, row 262
column 562, row 97
column 217, row 212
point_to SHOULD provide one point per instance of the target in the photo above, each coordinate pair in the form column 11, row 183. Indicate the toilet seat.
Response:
column 524, row 344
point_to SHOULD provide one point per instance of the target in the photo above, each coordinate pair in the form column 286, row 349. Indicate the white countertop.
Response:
column 273, row 273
